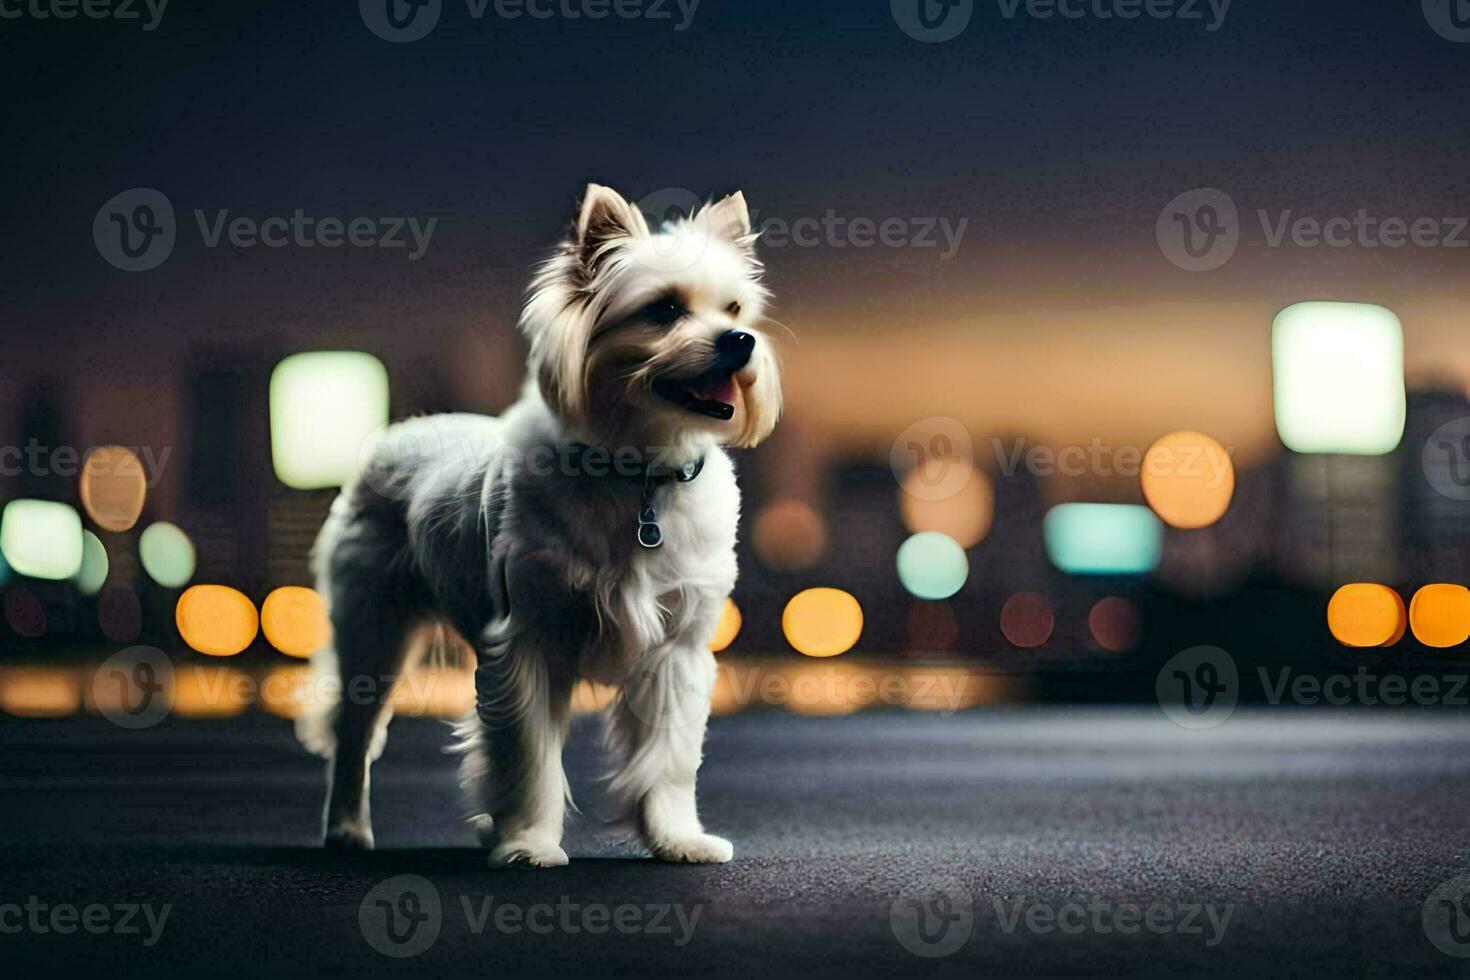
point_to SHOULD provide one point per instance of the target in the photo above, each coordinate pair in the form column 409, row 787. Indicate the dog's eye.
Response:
column 733, row 309
column 664, row 311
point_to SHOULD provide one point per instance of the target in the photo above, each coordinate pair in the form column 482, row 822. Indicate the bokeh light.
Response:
column 294, row 621
column 728, row 628
column 822, row 622
column 1364, row 614
column 93, row 573
column 590, row 697
column 211, row 692
column 323, row 406
column 286, row 692
column 1026, row 620
column 42, row 538
column 1440, row 615
column 113, row 487
column 789, row 535
column 24, row 613
column 40, row 692
column 730, row 693
column 1188, row 479
column 434, row 692
column 1115, row 624
column 826, row 690
column 964, row 515
column 167, row 554
column 1338, row 378
column 932, row 565
column 216, row 619
column 1103, row 539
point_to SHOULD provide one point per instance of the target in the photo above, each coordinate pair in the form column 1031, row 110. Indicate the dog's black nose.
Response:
column 733, row 349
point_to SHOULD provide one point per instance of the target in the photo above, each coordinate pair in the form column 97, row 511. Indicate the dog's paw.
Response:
column 348, row 837
column 694, row 849
column 527, row 852
column 484, row 825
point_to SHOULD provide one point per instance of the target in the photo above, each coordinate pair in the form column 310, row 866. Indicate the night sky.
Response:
column 1058, row 141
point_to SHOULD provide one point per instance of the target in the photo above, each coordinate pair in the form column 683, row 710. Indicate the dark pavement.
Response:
column 1097, row 841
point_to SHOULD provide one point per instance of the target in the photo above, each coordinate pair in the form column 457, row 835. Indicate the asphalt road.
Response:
column 1035, row 842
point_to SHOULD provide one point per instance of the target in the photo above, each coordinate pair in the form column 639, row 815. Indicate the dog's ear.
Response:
column 605, row 217
column 729, row 218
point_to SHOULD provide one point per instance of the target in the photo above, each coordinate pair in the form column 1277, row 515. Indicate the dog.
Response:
column 586, row 533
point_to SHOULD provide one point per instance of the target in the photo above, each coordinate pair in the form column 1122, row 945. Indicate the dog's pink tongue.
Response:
column 717, row 391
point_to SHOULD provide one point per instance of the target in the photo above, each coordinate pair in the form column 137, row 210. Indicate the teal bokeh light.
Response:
column 1103, row 539
column 932, row 565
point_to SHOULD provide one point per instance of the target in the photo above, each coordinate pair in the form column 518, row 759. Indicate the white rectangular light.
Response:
column 324, row 406
column 1338, row 371
column 41, row 538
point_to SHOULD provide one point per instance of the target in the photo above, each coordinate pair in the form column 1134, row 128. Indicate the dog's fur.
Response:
column 517, row 535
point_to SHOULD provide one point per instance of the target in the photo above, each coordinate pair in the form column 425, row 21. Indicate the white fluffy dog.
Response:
column 589, row 532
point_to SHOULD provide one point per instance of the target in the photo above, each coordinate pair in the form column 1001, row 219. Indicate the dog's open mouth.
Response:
column 710, row 394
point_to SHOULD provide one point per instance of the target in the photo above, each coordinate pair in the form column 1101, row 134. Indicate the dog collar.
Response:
column 649, row 533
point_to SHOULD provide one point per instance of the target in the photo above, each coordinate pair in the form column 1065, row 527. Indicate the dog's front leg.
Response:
column 514, row 767
column 657, row 725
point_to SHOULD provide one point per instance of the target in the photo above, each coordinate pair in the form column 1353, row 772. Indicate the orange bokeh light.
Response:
column 211, row 692
column 728, row 628
column 113, row 487
column 40, row 692
column 789, row 535
column 964, row 515
column 1440, row 615
column 1367, row 615
column 216, row 619
column 822, row 622
column 294, row 620
column 1188, row 479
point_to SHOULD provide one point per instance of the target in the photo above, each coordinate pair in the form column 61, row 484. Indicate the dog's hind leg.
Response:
column 372, row 649
column 373, row 605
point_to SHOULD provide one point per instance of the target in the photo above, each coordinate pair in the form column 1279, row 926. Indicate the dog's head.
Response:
column 650, row 336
